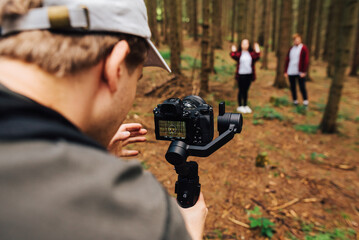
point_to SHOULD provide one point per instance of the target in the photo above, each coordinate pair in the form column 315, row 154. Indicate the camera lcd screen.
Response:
column 172, row 129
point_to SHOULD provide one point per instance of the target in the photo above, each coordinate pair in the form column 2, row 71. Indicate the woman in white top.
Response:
column 245, row 73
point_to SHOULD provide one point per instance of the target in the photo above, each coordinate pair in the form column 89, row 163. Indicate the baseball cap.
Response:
column 122, row 16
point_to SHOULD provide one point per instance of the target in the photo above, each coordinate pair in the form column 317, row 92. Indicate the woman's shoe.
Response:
column 247, row 109
column 241, row 109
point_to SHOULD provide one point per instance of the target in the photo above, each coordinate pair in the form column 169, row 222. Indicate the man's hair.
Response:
column 61, row 53
column 296, row 35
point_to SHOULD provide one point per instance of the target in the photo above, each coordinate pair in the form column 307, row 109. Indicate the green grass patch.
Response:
column 166, row 55
column 256, row 221
column 225, row 70
column 192, row 62
column 257, row 122
column 280, row 101
column 267, row 113
column 302, row 110
column 334, row 234
column 311, row 129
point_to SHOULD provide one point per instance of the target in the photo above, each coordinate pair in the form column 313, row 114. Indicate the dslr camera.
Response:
column 189, row 120
column 188, row 124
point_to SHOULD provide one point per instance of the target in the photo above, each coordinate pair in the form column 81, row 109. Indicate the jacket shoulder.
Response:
column 88, row 193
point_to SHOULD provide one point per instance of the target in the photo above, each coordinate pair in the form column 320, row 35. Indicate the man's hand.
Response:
column 234, row 49
column 286, row 75
column 302, row 75
column 195, row 218
column 127, row 133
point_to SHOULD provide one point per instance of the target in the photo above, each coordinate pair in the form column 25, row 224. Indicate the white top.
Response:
column 294, row 58
column 245, row 63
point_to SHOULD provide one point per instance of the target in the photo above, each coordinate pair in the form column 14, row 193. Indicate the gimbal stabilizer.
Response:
column 187, row 186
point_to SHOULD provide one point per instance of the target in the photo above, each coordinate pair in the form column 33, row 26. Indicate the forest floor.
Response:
column 309, row 187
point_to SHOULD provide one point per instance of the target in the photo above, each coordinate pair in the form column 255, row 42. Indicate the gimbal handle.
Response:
column 188, row 186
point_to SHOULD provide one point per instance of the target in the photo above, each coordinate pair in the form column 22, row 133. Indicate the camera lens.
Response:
column 192, row 102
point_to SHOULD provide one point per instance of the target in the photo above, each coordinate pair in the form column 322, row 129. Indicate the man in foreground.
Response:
column 68, row 75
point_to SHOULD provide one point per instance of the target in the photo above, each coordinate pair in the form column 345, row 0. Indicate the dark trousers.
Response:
column 244, row 82
column 293, row 87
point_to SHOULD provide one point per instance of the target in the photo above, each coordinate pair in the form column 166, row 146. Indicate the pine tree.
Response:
column 355, row 62
column 285, row 29
column 318, row 45
column 347, row 10
column 266, row 17
column 205, row 48
column 174, row 38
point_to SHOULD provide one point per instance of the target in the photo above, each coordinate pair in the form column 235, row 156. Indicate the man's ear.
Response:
column 114, row 63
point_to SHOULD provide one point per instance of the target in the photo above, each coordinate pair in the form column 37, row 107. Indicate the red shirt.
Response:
column 303, row 61
column 255, row 57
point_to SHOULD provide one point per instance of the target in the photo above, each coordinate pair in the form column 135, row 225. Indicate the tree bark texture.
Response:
column 217, row 23
column 213, row 33
column 333, row 36
column 347, row 12
column 329, row 32
column 152, row 21
column 253, row 21
column 205, row 48
column 310, row 31
column 266, row 17
column 274, row 23
column 166, row 14
column 355, row 62
column 285, row 29
column 179, row 21
column 195, row 20
column 241, row 9
column 174, row 38
column 263, row 23
column 233, row 22
column 318, row 40
column 302, row 9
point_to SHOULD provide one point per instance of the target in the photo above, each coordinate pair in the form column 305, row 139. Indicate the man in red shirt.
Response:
column 296, row 67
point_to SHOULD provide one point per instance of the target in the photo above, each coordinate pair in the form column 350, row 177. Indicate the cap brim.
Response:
column 154, row 58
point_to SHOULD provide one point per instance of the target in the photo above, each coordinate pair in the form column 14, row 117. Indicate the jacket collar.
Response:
column 22, row 119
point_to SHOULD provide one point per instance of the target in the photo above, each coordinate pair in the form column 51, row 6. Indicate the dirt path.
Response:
column 310, row 187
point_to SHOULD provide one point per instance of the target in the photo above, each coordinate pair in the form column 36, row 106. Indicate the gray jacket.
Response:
column 64, row 189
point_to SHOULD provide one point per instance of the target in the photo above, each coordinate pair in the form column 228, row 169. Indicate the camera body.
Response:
column 189, row 120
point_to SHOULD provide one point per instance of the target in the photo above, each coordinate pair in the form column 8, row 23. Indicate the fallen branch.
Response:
column 238, row 222
column 294, row 201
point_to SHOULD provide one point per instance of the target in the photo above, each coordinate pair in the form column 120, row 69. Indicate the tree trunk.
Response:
column 241, row 20
column 301, row 17
column 179, row 21
column 329, row 33
column 266, row 17
column 285, row 29
column 213, row 34
column 217, row 23
column 333, row 38
column 205, row 48
column 233, row 22
column 174, row 38
column 318, row 45
column 166, row 21
column 194, row 20
column 355, row 62
column 152, row 21
column 263, row 23
column 253, row 22
column 347, row 13
column 274, row 23
column 310, row 30
column 278, row 33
